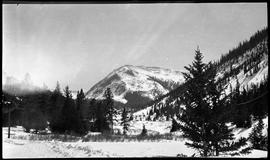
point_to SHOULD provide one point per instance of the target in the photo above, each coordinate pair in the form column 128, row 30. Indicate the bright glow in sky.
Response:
column 79, row 45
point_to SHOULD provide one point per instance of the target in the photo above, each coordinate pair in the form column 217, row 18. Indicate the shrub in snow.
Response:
column 175, row 126
column 144, row 131
column 181, row 155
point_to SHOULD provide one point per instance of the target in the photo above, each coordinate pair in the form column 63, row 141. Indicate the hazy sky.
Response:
column 80, row 44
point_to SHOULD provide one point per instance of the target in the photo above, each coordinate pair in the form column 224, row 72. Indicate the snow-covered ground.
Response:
column 17, row 148
column 25, row 148
column 239, row 132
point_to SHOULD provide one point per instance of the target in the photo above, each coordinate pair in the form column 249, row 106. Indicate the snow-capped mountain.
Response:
column 136, row 85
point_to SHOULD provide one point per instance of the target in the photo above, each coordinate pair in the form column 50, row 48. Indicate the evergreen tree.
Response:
column 80, row 101
column 237, row 88
column 56, row 104
column 175, row 126
column 194, row 116
column 155, row 92
column 241, row 113
column 92, row 110
column 256, row 137
column 203, row 119
column 110, row 111
column 100, row 123
column 69, row 112
column 131, row 117
column 144, row 131
column 125, row 121
column 57, row 88
column 264, row 144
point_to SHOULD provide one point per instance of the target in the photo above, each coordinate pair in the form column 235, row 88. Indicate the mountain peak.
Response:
column 141, row 81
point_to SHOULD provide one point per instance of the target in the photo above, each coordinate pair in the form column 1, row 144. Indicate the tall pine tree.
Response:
column 69, row 112
column 109, row 106
column 56, row 104
column 194, row 118
column 80, row 101
column 125, row 121
column 256, row 136
column 203, row 119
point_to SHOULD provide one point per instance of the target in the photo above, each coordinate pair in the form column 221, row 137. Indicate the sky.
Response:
column 79, row 44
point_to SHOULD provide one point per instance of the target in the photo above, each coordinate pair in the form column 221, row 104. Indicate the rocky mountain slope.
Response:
column 133, row 86
column 249, row 66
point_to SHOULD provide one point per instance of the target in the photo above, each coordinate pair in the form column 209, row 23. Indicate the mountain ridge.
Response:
column 249, row 66
column 143, row 82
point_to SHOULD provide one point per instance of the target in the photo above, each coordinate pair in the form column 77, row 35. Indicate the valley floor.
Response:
column 18, row 148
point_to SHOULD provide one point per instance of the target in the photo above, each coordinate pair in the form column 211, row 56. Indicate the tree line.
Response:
column 244, row 46
column 58, row 112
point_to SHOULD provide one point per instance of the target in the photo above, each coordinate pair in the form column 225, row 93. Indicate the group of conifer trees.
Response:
column 249, row 103
column 244, row 46
column 54, row 110
column 59, row 112
column 65, row 113
column 82, row 115
column 102, row 113
column 251, row 64
column 166, row 111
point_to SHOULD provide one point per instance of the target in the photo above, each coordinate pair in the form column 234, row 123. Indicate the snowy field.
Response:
column 25, row 148
column 17, row 148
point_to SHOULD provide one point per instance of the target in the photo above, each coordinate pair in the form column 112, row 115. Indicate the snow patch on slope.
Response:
column 143, row 80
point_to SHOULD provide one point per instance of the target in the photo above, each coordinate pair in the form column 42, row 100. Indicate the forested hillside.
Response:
column 242, row 73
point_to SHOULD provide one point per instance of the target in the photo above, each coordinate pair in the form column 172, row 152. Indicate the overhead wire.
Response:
column 247, row 102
